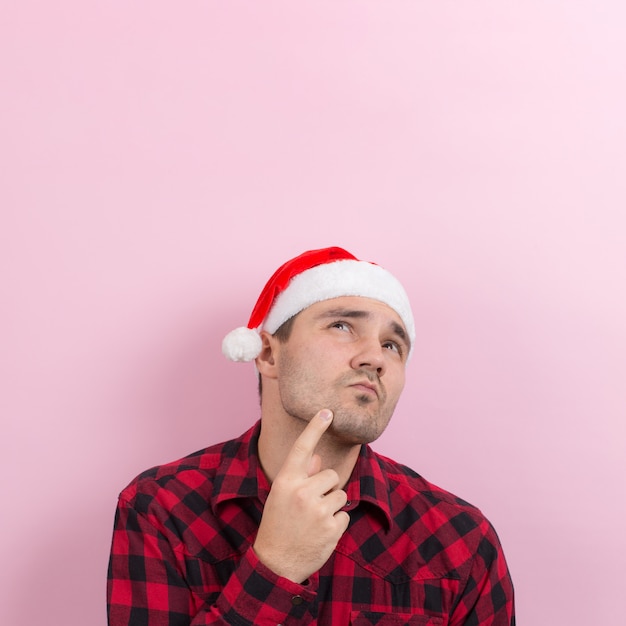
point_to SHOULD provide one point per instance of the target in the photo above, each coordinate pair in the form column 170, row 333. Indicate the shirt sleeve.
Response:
column 147, row 586
column 487, row 598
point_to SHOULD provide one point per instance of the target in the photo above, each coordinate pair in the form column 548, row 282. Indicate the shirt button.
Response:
column 296, row 600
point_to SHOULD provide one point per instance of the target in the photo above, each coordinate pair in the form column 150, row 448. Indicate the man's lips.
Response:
column 366, row 386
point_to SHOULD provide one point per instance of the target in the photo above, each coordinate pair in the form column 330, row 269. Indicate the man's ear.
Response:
column 266, row 361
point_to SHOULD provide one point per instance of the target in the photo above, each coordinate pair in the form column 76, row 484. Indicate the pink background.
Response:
column 160, row 159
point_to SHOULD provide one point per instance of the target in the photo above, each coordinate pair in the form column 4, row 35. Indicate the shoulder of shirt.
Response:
column 203, row 463
column 415, row 488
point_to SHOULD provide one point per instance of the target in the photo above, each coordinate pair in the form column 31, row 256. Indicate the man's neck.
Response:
column 279, row 433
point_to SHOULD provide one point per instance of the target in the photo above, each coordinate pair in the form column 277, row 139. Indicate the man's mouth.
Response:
column 366, row 386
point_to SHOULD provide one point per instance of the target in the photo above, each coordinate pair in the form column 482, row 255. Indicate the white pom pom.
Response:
column 242, row 344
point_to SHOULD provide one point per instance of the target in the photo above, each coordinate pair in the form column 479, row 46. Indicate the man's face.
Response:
column 348, row 355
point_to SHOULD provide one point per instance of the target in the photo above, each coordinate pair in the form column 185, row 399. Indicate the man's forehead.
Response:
column 354, row 306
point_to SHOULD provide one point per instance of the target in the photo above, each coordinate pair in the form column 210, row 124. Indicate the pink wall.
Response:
column 158, row 163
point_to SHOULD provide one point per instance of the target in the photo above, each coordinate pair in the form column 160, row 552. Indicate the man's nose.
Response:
column 369, row 356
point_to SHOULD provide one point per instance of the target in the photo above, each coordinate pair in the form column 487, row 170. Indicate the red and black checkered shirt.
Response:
column 413, row 553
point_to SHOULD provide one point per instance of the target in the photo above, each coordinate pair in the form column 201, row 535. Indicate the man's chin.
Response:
column 356, row 429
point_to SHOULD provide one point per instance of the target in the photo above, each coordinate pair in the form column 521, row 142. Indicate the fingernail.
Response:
column 325, row 414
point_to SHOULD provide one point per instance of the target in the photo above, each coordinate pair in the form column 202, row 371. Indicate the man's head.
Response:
column 329, row 331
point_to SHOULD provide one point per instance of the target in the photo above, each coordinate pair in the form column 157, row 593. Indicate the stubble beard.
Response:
column 358, row 418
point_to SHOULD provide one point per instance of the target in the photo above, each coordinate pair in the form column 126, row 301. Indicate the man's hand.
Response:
column 302, row 521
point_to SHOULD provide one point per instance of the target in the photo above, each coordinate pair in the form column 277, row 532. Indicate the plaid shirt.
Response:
column 413, row 554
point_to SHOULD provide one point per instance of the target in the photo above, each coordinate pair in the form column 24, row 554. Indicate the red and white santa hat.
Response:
column 312, row 277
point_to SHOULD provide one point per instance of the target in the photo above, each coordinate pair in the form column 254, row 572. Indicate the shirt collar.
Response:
column 239, row 475
column 369, row 484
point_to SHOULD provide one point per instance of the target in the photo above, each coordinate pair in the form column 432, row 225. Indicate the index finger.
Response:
column 304, row 446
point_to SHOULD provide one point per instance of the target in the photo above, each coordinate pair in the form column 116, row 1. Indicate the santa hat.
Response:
column 312, row 277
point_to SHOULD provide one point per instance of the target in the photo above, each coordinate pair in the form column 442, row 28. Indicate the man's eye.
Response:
column 392, row 345
column 340, row 325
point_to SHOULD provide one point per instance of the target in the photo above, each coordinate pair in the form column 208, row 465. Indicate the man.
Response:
column 298, row 521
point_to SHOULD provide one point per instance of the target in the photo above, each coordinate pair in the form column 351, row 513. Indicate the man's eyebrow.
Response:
column 399, row 330
column 343, row 313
